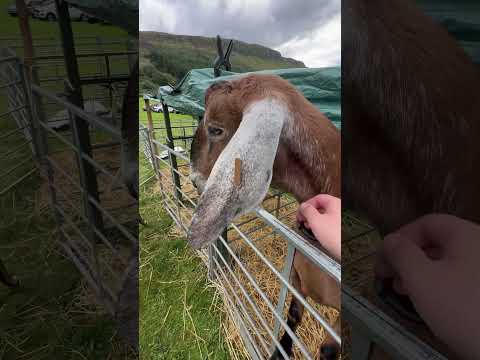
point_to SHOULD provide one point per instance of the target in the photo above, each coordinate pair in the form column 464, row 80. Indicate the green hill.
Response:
column 166, row 58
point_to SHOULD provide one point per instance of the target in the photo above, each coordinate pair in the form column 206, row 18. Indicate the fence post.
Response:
column 173, row 157
column 80, row 127
column 151, row 132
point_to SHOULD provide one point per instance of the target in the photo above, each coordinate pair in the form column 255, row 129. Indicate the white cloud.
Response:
column 306, row 30
column 319, row 49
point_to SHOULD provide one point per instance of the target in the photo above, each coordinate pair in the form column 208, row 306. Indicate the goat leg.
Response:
column 330, row 350
column 295, row 314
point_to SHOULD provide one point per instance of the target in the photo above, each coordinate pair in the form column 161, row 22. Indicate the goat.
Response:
column 410, row 116
column 280, row 138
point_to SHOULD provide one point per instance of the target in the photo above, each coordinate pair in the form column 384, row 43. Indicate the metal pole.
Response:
column 171, row 145
column 287, row 269
column 88, row 177
column 214, row 255
column 26, row 33
column 151, row 131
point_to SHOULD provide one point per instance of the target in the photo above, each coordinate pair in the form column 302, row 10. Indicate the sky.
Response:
column 306, row 30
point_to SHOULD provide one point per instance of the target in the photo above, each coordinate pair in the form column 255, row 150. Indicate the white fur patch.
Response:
column 255, row 143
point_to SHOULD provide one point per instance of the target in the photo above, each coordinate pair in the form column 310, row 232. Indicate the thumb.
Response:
column 309, row 212
column 408, row 261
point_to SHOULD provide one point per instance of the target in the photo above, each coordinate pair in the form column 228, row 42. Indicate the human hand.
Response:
column 435, row 262
column 322, row 214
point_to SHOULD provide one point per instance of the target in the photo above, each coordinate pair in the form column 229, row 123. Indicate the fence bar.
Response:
column 287, row 269
column 99, row 234
column 92, row 119
column 383, row 330
column 251, row 302
column 11, row 132
column 294, row 291
column 268, row 302
column 318, row 258
column 18, row 181
column 238, row 320
column 171, row 145
column 242, row 305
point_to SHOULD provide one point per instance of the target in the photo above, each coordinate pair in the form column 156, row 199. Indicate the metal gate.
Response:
column 96, row 216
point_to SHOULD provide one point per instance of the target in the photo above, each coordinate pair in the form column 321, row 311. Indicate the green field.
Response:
column 180, row 316
column 158, row 117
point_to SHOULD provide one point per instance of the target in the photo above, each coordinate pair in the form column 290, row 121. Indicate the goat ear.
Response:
column 227, row 196
column 224, row 86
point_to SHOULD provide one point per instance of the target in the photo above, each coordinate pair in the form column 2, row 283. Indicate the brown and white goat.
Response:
column 411, row 111
column 280, row 138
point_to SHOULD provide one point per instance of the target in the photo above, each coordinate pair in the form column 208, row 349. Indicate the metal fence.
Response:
column 371, row 329
column 251, row 262
column 17, row 162
column 96, row 216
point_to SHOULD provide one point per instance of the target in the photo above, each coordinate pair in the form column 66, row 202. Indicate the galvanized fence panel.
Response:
column 251, row 262
column 104, row 247
column 18, row 161
column 259, row 315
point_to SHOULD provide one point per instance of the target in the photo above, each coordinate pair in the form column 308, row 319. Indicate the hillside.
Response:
column 166, row 58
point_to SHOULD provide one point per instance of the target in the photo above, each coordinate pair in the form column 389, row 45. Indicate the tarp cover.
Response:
column 320, row 86
column 460, row 18
column 122, row 13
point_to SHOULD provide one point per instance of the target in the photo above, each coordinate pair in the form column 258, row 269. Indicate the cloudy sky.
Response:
column 306, row 30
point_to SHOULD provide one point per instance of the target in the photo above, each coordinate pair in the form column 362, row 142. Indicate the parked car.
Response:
column 12, row 9
column 156, row 108
column 48, row 11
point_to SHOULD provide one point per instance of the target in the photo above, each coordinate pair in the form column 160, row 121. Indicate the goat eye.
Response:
column 214, row 131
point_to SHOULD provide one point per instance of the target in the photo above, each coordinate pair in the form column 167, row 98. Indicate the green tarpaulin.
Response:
column 322, row 87
column 460, row 18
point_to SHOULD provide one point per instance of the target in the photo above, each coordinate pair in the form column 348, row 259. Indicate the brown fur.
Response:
column 307, row 163
column 411, row 110
column 410, row 116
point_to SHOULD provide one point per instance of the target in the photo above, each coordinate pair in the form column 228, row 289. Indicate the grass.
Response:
column 179, row 310
column 178, row 123
column 53, row 315
column 158, row 117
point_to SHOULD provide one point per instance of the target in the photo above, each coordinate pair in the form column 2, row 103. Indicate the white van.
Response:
column 48, row 11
